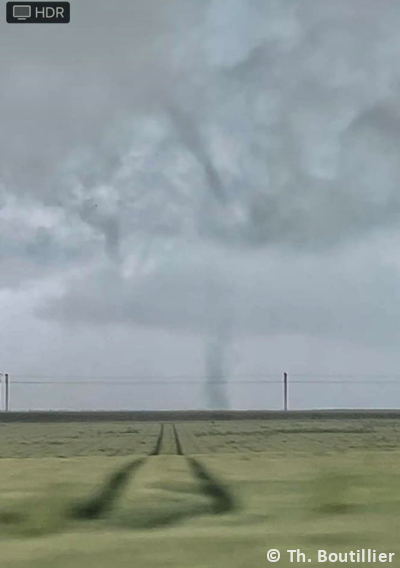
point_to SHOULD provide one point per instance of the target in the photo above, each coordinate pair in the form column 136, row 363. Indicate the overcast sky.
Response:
column 192, row 185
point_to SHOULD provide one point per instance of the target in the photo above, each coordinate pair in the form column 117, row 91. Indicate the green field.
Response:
column 89, row 495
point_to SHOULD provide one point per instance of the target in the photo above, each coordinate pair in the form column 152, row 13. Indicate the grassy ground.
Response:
column 64, row 440
column 286, row 495
column 283, row 437
column 289, row 437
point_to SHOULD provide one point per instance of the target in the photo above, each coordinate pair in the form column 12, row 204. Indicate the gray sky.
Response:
column 179, row 173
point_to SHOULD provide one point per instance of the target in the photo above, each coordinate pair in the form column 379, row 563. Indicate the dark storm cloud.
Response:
column 68, row 101
column 260, row 126
column 269, row 129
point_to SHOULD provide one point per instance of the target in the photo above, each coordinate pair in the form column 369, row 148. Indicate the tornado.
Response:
column 215, row 364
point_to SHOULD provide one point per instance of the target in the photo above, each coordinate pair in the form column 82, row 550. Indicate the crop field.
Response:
column 196, row 493
column 64, row 440
column 281, row 437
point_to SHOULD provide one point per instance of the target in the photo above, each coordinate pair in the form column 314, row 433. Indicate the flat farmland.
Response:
column 63, row 440
column 196, row 493
column 282, row 437
column 294, row 437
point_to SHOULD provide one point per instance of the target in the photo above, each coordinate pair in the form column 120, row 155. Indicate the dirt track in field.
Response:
column 215, row 490
column 190, row 415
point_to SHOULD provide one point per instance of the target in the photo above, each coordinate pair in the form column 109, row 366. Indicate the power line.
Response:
column 346, row 375
column 203, row 381
column 176, row 377
column 145, row 382
column 297, row 381
column 141, row 377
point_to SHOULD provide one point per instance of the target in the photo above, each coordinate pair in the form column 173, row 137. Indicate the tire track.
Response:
column 222, row 500
column 101, row 503
column 189, row 443
column 179, row 450
column 158, row 445
column 168, row 442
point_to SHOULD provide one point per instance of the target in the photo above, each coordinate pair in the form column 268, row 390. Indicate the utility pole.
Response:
column 285, row 392
column 7, row 392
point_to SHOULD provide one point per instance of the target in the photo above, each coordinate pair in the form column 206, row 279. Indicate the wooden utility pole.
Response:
column 285, row 392
column 7, row 392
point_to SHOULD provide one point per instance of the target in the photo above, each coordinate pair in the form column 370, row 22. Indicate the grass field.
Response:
column 196, row 494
